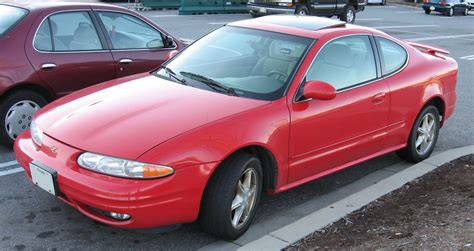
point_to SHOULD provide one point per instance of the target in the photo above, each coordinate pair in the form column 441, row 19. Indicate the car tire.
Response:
column 427, row 12
column 384, row 2
column 10, row 105
column 349, row 14
column 254, row 15
column 301, row 10
column 216, row 215
column 416, row 149
column 465, row 12
column 450, row 12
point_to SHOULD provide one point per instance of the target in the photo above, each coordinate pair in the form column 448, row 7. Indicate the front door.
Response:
column 326, row 134
column 68, row 52
column 323, row 7
column 136, row 45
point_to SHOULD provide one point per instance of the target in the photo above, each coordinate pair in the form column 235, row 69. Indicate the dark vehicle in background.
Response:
column 344, row 9
column 447, row 7
column 49, row 50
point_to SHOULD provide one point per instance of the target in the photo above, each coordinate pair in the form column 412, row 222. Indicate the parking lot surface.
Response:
column 33, row 219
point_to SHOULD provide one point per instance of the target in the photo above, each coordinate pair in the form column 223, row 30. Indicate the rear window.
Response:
column 9, row 17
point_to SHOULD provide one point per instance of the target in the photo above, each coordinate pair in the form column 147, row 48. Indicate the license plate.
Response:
column 432, row 8
column 44, row 177
column 262, row 10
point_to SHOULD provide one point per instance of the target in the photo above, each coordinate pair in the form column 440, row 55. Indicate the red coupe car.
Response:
column 51, row 49
column 256, row 106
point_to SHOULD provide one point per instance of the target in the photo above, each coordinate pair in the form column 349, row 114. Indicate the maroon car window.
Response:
column 393, row 55
column 71, row 31
column 9, row 16
column 344, row 62
column 128, row 32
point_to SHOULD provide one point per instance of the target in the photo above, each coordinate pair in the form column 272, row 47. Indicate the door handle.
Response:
column 125, row 61
column 48, row 66
column 379, row 97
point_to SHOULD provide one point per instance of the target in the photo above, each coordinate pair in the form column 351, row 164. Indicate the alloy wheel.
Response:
column 19, row 116
column 425, row 134
column 244, row 199
column 350, row 16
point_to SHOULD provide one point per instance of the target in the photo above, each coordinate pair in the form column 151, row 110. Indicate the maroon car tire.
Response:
column 216, row 214
column 7, row 104
column 412, row 151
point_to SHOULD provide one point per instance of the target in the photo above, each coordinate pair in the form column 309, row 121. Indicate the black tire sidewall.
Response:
column 412, row 141
column 7, row 102
column 223, row 188
column 346, row 11
column 300, row 8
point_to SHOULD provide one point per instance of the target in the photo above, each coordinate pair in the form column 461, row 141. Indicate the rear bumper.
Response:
column 262, row 10
column 151, row 203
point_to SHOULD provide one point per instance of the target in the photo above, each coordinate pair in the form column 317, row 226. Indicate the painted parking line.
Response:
column 439, row 37
column 369, row 19
column 11, row 171
column 408, row 12
column 469, row 58
column 9, row 163
column 404, row 26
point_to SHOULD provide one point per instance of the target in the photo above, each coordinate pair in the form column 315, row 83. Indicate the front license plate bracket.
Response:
column 44, row 177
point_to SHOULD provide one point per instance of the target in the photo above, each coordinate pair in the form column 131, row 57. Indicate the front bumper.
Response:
column 151, row 203
column 438, row 8
column 262, row 10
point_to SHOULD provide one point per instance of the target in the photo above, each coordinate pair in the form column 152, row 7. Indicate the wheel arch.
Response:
column 353, row 3
column 47, row 94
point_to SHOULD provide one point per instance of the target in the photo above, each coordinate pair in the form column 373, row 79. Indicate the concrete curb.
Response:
column 301, row 228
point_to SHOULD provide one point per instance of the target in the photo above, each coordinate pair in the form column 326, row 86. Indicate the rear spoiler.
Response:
column 428, row 49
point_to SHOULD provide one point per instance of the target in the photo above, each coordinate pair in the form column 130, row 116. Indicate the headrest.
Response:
column 338, row 55
column 286, row 51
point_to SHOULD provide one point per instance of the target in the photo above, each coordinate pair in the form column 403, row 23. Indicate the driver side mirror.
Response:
column 319, row 90
column 169, row 42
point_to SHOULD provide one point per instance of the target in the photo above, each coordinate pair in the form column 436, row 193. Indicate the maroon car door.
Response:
column 326, row 134
column 68, row 52
column 137, row 46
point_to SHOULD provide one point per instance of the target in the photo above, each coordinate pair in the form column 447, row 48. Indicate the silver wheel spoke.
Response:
column 244, row 199
column 237, row 215
column 418, row 142
column 236, row 203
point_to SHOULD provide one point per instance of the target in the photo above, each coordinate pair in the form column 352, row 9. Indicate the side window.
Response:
column 393, row 55
column 43, row 41
column 71, row 31
column 344, row 62
column 74, row 31
column 128, row 32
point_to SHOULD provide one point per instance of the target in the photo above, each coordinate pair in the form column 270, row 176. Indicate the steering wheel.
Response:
column 276, row 74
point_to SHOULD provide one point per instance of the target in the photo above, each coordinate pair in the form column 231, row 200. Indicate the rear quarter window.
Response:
column 9, row 17
column 393, row 56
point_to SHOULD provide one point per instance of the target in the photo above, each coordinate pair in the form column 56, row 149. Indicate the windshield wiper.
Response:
column 172, row 74
column 210, row 82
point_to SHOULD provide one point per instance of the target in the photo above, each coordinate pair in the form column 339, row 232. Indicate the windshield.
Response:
column 9, row 16
column 241, row 62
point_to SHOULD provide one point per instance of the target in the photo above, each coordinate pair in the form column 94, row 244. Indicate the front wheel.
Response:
column 450, row 12
column 17, row 110
column 466, row 11
column 423, row 136
column 301, row 10
column 231, row 197
column 427, row 11
column 349, row 14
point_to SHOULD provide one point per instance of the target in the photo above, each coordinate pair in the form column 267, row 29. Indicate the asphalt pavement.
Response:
column 32, row 219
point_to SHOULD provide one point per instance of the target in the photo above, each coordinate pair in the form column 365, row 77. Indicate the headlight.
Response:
column 122, row 167
column 36, row 133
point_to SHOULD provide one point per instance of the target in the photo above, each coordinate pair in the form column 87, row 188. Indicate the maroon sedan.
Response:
column 51, row 49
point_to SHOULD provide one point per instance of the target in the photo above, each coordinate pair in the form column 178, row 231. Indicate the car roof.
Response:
column 42, row 5
column 307, row 26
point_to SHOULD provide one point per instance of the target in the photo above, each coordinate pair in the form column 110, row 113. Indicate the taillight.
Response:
column 443, row 3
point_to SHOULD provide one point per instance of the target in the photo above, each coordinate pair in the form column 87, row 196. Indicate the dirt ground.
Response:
column 435, row 211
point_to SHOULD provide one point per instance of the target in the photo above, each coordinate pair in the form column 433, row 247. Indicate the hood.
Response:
column 126, row 117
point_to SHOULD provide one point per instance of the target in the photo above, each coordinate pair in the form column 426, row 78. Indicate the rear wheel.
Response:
column 450, row 12
column 302, row 10
column 427, row 11
column 16, row 111
column 349, row 14
column 423, row 136
column 231, row 197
